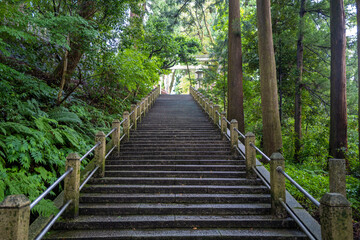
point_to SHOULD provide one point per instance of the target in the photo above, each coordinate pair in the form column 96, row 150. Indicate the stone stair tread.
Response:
column 173, row 195
column 175, row 205
column 244, row 234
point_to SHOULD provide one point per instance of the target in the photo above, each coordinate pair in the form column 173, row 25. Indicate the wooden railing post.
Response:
column 337, row 176
column 126, row 125
column 14, row 217
column 223, row 125
column 234, row 136
column 134, row 115
column 215, row 115
column 71, row 186
column 115, row 136
column 250, row 155
column 335, row 217
column 277, row 182
column 100, row 153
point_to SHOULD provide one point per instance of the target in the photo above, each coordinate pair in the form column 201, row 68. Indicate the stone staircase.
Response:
column 175, row 179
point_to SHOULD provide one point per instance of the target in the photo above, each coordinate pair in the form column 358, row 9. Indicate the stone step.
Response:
column 177, row 144
column 166, row 152
column 112, row 161
column 174, row 147
column 170, row 221
column 174, row 198
column 175, row 167
column 197, row 189
column 182, row 234
column 171, row 208
column 176, row 181
column 198, row 174
column 159, row 138
column 177, row 157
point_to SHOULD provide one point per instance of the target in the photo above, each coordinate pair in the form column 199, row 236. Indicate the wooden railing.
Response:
column 335, row 210
column 15, row 209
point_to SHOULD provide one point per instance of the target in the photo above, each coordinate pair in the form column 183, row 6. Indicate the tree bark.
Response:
column 235, row 75
column 87, row 11
column 172, row 81
column 338, row 111
column 268, row 84
column 63, row 77
column 298, row 80
column 358, row 50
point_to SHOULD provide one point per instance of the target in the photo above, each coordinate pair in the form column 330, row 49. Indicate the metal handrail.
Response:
column 92, row 149
column 226, row 120
column 261, row 177
column 88, row 178
column 121, row 138
column 227, row 136
column 240, row 152
column 131, row 113
column 112, row 130
column 110, row 151
column 311, row 198
column 297, row 220
column 47, row 191
column 131, row 126
column 123, row 121
column 263, row 154
column 241, row 135
column 47, row 228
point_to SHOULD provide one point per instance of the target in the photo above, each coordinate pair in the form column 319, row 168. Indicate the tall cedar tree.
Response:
column 235, row 75
column 299, row 64
column 338, row 114
column 268, row 84
column 358, row 50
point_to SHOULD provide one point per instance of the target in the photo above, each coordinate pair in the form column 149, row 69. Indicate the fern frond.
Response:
column 63, row 115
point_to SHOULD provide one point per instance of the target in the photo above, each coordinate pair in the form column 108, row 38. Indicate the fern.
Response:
column 63, row 115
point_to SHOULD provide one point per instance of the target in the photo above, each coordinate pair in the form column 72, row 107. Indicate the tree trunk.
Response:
column 269, row 92
column 207, row 26
column 172, row 81
column 338, row 114
column 188, row 69
column 235, row 75
column 64, row 73
column 299, row 64
column 358, row 50
column 87, row 11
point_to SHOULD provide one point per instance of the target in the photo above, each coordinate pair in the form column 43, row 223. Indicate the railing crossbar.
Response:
column 110, row 151
column 92, row 149
column 123, row 121
column 47, row 228
column 311, row 198
column 263, row 154
column 131, row 113
column 240, row 152
column 88, row 178
column 122, row 137
column 227, row 136
column 47, row 191
column 300, row 224
column 112, row 130
column 227, row 121
column 241, row 135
